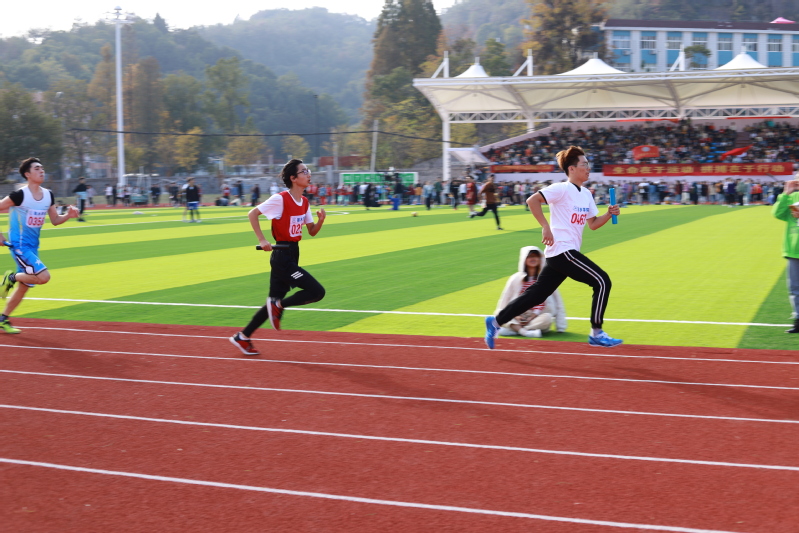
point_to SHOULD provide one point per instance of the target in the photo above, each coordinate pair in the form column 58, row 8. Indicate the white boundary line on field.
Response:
column 356, row 499
column 402, row 440
column 404, row 398
column 394, row 367
column 424, row 346
column 376, row 312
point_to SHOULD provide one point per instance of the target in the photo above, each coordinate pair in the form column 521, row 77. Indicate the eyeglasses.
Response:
column 304, row 171
column 584, row 165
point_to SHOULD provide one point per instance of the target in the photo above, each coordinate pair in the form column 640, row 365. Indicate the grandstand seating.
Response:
column 682, row 142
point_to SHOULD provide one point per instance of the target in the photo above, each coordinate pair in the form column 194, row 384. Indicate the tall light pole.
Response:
column 119, row 19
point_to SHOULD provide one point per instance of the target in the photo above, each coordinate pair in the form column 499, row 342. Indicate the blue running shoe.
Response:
column 604, row 340
column 492, row 329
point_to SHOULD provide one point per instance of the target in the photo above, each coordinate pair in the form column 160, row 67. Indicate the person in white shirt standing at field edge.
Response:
column 571, row 207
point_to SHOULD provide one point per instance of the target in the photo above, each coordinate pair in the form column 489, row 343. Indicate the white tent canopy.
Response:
column 742, row 61
column 592, row 66
column 739, row 89
column 469, row 156
column 475, row 71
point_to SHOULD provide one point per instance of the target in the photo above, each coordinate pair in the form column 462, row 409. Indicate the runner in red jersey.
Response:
column 288, row 211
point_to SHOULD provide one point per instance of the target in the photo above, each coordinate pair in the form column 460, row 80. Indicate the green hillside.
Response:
column 329, row 52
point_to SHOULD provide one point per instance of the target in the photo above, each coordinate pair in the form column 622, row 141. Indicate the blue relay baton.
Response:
column 612, row 192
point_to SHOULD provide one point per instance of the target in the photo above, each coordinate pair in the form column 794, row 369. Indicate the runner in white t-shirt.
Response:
column 571, row 207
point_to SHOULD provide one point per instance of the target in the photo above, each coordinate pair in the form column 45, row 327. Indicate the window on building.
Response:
column 700, row 39
column 725, row 42
column 750, row 43
column 775, row 43
column 796, row 45
column 673, row 40
column 621, row 40
column 647, row 42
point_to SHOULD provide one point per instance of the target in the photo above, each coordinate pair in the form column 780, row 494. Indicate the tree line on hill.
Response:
column 174, row 81
column 329, row 52
column 215, row 80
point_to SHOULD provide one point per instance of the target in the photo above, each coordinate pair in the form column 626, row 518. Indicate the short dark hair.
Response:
column 25, row 166
column 569, row 157
column 289, row 170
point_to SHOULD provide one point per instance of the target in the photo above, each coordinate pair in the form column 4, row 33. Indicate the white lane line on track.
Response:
column 387, row 345
column 356, row 499
column 393, row 367
column 418, row 313
column 405, row 398
column 409, row 441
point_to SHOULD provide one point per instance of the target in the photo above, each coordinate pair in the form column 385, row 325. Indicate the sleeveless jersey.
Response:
column 26, row 217
column 289, row 226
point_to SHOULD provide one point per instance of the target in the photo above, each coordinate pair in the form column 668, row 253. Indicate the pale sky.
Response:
column 16, row 17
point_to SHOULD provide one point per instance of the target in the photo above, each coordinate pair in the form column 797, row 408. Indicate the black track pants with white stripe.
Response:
column 570, row 264
column 286, row 275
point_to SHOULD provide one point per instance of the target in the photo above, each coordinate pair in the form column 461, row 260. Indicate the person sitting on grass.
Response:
column 539, row 319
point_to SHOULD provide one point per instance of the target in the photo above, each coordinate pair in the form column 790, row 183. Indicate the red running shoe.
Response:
column 275, row 312
column 245, row 346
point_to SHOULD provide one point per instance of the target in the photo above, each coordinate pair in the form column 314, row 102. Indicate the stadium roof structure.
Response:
column 593, row 92
column 584, row 94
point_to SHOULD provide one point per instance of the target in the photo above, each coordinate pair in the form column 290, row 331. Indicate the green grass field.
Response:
column 668, row 263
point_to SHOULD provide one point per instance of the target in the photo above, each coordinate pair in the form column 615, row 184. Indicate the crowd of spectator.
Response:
column 681, row 142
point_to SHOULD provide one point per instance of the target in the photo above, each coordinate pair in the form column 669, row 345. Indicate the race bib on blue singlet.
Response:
column 35, row 218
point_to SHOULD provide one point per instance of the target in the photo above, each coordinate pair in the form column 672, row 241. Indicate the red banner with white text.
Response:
column 706, row 169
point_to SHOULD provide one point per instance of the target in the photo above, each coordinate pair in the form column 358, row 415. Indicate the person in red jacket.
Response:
column 288, row 211
column 471, row 195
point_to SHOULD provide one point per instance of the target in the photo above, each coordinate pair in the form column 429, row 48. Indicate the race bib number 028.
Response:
column 35, row 218
column 295, row 227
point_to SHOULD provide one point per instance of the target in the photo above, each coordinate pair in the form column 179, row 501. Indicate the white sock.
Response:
column 595, row 331
column 242, row 337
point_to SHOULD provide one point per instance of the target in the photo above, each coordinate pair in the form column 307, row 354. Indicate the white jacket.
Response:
column 513, row 287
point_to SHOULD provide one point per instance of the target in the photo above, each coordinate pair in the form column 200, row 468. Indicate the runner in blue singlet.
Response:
column 28, row 207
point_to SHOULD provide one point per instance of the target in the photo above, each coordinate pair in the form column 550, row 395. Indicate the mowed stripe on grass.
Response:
column 432, row 264
column 154, row 273
column 679, row 273
column 393, row 280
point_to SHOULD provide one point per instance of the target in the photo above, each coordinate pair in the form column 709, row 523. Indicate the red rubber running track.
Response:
column 137, row 427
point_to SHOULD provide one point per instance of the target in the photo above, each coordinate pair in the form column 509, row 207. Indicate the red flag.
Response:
column 645, row 151
column 735, row 151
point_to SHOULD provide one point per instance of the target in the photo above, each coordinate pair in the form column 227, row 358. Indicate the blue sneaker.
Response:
column 491, row 331
column 604, row 340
